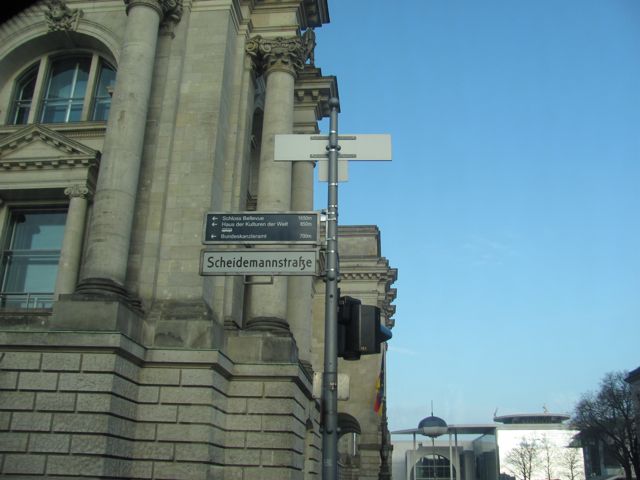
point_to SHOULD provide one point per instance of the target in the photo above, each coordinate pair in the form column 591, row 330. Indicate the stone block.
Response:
column 23, row 464
column 49, row 443
column 81, row 312
column 13, row 442
column 191, row 395
column 157, row 413
column 31, row 422
column 262, row 348
column 5, row 420
column 98, row 362
column 127, row 369
column 197, row 377
column 106, row 403
column 279, row 423
column 55, row 401
column 235, row 439
column 153, row 451
column 193, row 452
column 241, row 457
column 76, row 465
column 8, row 380
column 159, row 376
column 270, row 406
column 269, row 440
column 125, row 388
column 244, row 422
column 184, row 433
column 145, row 431
column 94, row 402
column 86, row 382
column 280, row 389
column 195, row 414
column 279, row 458
column 148, row 394
column 246, row 389
column 91, row 444
column 38, row 381
column 237, row 405
column 21, row 361
column 80, row 423
column 61, row 362
column 227, row 473
column 179, row 471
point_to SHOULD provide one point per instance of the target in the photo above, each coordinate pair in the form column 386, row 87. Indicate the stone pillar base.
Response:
column 262, row 347
column 88, row 312
column 268, row 324
column 182, row 324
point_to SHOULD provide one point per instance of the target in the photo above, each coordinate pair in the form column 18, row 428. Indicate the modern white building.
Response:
column 488, row 451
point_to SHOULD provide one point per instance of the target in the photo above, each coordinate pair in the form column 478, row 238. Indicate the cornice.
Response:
column 313, row 91
column 42, row 163
column 310, row 13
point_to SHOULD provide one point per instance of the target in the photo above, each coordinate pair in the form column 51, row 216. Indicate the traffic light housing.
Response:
column 359, row 329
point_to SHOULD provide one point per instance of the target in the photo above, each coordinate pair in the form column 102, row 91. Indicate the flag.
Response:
column 377, row 406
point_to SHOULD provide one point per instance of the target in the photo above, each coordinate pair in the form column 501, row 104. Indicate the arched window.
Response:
column 73, row 89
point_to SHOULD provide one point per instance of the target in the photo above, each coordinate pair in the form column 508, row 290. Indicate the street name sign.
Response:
column 296, row 147
column 222, row 228
column 259, row 262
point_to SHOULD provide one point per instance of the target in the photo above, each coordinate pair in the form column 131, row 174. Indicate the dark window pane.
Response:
column 66, row 90
column 30, row 259
column 24, row 96
column 102, row 100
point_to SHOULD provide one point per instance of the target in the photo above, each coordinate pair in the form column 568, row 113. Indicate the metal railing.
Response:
column 25, row 300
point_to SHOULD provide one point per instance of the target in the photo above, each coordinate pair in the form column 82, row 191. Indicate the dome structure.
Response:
column 433, row 426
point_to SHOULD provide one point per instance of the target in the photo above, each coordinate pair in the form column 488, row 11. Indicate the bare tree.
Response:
column 609, row 417
column 523, row 459
column 571, row 463
column 548, row 452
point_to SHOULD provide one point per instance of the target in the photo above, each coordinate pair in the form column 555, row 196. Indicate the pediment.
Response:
column 37, row 146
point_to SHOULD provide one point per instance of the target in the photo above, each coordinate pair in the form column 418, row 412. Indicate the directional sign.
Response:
column 259, row 227
column 293, row 148
column 259, row 262
column 314, row 147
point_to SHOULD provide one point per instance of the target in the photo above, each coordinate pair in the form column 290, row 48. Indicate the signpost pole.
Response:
column 330, row 375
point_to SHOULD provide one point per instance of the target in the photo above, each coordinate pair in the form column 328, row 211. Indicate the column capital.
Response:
column 78, row 190
column 169, row 10
column 286, row 54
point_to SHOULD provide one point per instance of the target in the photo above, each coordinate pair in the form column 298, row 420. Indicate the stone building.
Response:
column 121, row 124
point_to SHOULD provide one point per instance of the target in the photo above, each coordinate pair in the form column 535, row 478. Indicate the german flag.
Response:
column 377, row 405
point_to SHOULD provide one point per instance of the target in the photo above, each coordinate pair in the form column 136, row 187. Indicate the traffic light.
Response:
column 359, row 329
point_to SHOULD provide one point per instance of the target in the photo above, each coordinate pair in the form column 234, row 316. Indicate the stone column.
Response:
column 299, row 310
column 107, row 252
column 281, row 58
column 72, row 240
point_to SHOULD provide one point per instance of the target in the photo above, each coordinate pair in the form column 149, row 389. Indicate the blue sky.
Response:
column 512, row 206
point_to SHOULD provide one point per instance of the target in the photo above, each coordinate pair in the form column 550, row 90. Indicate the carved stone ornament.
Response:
column 279, row 53
column 170, row 10
column 60, row 17
column 76, row 191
